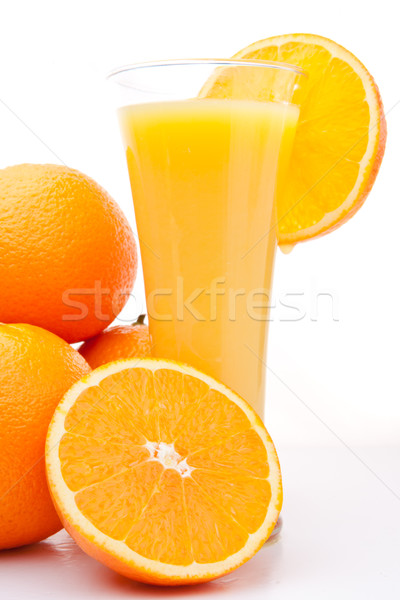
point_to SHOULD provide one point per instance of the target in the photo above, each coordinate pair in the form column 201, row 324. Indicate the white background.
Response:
column 334, row 379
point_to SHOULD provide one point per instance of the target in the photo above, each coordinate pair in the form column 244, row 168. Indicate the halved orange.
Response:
column 162, row 473
column 340, row 138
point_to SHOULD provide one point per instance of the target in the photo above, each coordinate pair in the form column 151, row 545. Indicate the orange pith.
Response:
column 179, row 482
column 340, row 138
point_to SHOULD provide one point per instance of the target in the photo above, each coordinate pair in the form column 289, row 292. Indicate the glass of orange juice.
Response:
column 208, row 144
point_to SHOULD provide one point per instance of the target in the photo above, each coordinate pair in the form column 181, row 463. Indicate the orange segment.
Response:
column 132, row 391
column 214, row 534
column 340, row 137
column 161, row 472
column 222, row 420
column 243, row 501
column 97, row 415
column 164, row 513
column 115, row 504
column 174, row 390
column 243, row 452
column 92, row 460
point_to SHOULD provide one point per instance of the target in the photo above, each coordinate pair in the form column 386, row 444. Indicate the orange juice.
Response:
column 204, row 174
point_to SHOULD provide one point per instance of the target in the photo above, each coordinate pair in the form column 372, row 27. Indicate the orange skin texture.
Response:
column 122, row 341
column 36, row 369
column 61, row 238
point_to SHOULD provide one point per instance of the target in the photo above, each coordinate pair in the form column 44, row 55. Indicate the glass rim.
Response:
column 269, row 64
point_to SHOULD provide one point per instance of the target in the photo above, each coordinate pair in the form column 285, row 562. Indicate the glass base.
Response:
column 275, row 535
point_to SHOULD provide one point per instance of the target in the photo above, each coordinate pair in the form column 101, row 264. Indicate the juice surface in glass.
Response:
column 204, row 174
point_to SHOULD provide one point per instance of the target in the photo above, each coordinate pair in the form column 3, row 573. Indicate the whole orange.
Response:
column 68, row 257
column 121, row 341
column 36, row 369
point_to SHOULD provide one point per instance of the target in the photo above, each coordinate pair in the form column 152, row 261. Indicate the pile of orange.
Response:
column 68, row 263
column 157, row 470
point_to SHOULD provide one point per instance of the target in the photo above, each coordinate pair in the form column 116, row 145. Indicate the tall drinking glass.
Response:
column 208, row 144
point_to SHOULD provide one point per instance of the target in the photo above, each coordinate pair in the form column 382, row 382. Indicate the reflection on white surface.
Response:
column 57, row 568
column 340, row 539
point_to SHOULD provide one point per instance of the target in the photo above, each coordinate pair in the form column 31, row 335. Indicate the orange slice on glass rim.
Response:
column 162, row 473
column 340, row 138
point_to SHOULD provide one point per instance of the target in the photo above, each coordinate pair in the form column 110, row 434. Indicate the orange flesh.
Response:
column 206, row 503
